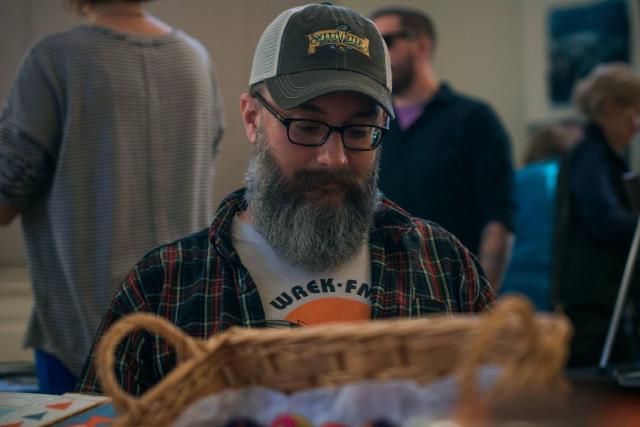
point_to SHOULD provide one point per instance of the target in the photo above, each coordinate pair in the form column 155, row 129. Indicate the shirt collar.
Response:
column 220, row 228
column 443, row 95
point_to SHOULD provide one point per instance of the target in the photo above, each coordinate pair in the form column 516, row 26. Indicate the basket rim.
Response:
column 393, row 329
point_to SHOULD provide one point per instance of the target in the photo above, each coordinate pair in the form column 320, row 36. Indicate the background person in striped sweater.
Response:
column 105, row 128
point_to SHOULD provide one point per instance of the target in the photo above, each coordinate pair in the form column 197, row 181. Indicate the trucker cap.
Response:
column 317, row 49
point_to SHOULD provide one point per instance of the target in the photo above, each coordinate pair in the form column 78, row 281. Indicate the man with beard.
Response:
column 309, row 240
column 447, row 157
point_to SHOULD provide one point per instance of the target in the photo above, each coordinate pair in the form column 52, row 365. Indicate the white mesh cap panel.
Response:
column 387, row 66
column 265, row 58
column 387, row 60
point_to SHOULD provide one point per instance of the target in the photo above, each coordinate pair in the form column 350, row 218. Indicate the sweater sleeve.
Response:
column 491, row 165
column 29, row 128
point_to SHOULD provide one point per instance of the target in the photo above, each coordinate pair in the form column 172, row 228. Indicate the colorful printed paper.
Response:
column 32, row 410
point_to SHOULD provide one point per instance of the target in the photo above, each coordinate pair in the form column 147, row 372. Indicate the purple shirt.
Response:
column 408, row 115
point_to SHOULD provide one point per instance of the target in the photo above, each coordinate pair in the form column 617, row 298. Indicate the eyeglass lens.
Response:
column 359, row 137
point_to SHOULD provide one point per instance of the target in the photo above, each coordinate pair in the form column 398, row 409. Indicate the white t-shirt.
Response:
column 295, row 297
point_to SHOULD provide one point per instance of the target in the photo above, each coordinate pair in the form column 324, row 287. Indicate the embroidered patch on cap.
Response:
column 340, row 38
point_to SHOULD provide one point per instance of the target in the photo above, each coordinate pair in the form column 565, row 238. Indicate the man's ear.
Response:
column 250, row 116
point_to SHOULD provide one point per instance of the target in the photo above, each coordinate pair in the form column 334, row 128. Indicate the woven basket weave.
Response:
column 531, row 348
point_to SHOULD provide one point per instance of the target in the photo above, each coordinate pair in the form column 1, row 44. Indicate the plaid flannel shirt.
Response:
column 199, row 284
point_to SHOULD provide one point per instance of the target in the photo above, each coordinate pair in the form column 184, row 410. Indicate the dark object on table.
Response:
column 632, row 187
column 243, row 422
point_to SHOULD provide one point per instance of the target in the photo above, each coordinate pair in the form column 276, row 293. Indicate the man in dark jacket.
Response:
column 447, row 157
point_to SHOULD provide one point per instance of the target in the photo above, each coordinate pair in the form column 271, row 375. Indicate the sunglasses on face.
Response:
column 390, row 38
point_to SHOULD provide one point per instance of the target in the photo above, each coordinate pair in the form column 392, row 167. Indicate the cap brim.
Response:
column 292, row 90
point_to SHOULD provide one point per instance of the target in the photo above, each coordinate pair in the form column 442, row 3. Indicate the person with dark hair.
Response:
column 107, row 140
column 309, row 240
column 529, row 271
column 447, row 157
column 594, row 220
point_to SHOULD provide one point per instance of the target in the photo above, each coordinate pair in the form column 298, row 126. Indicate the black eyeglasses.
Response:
column 312, row 133
column 390, row 38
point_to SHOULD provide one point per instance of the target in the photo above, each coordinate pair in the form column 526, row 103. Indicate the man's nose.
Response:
column 332, row 153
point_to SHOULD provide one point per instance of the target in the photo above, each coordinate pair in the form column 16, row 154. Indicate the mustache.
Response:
column 310, row 179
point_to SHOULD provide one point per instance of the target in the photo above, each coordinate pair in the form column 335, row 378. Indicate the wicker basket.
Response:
column 531, row 348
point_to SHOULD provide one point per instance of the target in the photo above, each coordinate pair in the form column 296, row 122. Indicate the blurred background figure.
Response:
column 534, row 192
column 107, row 142
column 594, row 223
column 447, row 157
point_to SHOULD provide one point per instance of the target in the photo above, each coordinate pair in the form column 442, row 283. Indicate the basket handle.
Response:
column 185, row 346
column 488, row 331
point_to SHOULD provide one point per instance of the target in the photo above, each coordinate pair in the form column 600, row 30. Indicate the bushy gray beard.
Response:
column 309, row 235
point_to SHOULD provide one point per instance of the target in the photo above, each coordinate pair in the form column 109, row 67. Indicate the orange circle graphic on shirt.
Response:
column 329, row 310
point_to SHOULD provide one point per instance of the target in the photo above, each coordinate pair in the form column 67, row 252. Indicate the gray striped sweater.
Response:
column 107, row 143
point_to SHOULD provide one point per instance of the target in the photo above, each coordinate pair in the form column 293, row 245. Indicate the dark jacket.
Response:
column 452, row 166
column 594, row 227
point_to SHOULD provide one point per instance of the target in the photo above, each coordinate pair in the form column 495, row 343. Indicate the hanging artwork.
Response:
column 581, row 37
